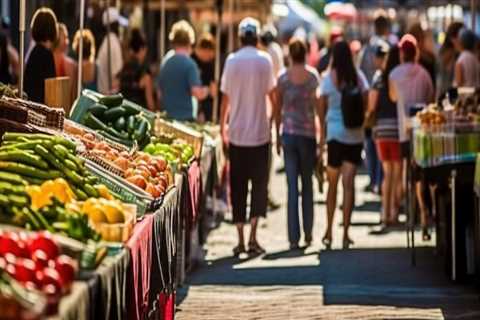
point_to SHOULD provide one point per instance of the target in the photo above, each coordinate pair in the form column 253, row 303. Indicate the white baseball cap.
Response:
column 248, row 26
column 112, row 15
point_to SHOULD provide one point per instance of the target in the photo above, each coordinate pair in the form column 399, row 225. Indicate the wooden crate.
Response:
column 181, row 131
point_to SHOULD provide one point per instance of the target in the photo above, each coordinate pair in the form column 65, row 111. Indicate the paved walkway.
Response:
column 373, row 280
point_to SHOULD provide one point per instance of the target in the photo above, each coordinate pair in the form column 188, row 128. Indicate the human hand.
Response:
column 213, row 88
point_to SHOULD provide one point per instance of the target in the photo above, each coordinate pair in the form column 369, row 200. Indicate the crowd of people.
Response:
column 348, row 103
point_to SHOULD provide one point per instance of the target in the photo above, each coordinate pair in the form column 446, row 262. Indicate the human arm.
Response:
column 193, row 77
column 458, row 75
column 277, row 116
column 147, row 83
column 224, row 113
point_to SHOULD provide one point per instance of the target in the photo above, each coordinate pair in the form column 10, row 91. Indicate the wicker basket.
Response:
column 39, row 114
column 181, row 131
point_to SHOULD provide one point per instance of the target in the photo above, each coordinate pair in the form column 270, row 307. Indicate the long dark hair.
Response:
column 342, row 63
column 393, row 60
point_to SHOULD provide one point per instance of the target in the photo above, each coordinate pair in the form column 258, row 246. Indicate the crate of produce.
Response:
column 113, row 117
column 172, row 130
column 125, row 191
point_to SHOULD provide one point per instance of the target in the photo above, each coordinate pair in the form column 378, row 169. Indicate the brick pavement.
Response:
column 374, row 280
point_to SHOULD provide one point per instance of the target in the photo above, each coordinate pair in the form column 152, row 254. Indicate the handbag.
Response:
column 352, row 106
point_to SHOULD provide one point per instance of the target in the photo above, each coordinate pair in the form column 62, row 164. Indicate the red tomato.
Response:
column 40, row 258
column 25, row 270
column 44, row 241
column 9, row 243
column 51, row 276
column 65, row 266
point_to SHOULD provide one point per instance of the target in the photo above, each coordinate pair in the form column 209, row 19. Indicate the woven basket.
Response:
column 107, row 165
column 39, row 114
column 181, row 131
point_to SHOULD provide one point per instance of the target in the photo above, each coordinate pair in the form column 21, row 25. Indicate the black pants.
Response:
column 249, row 164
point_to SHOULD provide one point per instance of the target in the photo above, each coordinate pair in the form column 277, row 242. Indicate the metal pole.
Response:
column 473, row 11
column 80, row 49
column 21, row 28
column 162, row 31
column 231, row 7
column 454, row 240
column 218, row 36
column 109, row 51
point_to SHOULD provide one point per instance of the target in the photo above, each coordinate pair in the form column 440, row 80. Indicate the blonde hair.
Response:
column 182, row 34
column 61, row 28
column 88, row 39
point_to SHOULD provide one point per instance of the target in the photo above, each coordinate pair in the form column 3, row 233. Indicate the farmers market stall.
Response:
column 446, row 143
column 125, row 217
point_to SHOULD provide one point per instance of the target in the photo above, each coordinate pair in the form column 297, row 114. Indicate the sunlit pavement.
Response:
column 373, row 280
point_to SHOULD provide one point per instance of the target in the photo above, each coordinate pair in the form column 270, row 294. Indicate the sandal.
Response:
column 327, row 242
column 255, row 248
column 347, row 242
column 426, row 234
column 238, row 250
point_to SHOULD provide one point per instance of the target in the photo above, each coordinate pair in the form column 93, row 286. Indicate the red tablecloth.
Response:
column 138, row 278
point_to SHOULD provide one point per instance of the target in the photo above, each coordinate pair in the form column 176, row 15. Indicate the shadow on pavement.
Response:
column 286, row 254
column 368, row 206
column 354, row 277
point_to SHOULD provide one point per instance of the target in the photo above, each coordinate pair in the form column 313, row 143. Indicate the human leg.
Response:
column 397, row 188
column 307, row 148
column 292, row 163
column 348, row 172
column 387, row 186
column 258, row 163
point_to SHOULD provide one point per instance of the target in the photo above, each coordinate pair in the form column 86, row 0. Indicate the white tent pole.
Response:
column 21, row 28
column 162, row 31
column 218, row 36
column 80, row 49
column 109, row 51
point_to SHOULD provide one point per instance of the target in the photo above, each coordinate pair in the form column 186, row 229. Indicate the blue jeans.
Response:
column 374, row 166
column 300, row 157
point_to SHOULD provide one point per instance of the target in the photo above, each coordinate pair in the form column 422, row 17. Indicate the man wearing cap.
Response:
column 247, row 82
column 109, row 67
column 178, row 83
column 410, row 86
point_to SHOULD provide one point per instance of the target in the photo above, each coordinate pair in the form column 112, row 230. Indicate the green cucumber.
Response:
column 90, row 191
column 9, row 136
column 33, row 181
column 113, row 114
column 141, row 130
column 131, row 124
column 130, row 109
column 120, row 124
column 98, row 110
column 23, row 157
column 111, row 101
column 94, row 123
column 17, row 200
column 126, row 142
column 30, row 171
column 73, row 177
column 49, row 157
column 70, row 164
column 79, row 194
column 12, row 178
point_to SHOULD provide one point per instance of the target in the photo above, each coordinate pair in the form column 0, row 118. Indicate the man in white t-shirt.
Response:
column 105, row 82
column 247, row 83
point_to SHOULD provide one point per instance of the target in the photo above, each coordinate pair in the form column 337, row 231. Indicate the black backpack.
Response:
column 352, row 106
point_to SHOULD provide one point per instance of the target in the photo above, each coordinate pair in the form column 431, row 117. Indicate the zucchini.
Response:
column 120, row 124
column 131, row 124
column 30, row 171
column 50, row 158
column 23, row 157
column 79, row 162
column 33, row 181
column 94, row 123
column 126, row 142
column 111, row 101
column 98, row 110
column 91, row 180
column 79, row 194
column 18, row 201
column 6, row 187
column 70, row 164
column 73, row 177
column 4, row 200
column 113, row 114
column 12, row 136
column 141, row 130
column 90, row 191
column 130, row 109
column 22, row 145
column 12, row 178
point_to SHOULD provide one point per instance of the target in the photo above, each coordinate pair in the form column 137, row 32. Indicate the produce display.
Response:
column 118, row 121
column 35, row 158
column 175, row 151
column 8, row 91
column 431, row 116
column 32, row 266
